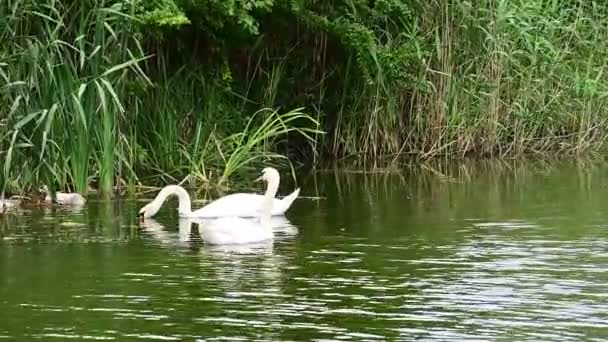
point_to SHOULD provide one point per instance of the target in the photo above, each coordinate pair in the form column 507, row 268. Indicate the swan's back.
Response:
column 68, row 199
column 6, row 204
column 234, row 230
column 239, row 204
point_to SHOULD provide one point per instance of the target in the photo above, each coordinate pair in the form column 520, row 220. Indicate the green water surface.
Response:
column 483, row 251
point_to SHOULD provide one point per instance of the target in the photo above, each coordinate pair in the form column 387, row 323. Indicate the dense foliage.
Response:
column 120, row 93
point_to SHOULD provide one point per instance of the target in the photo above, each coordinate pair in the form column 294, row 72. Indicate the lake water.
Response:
column 488, row 251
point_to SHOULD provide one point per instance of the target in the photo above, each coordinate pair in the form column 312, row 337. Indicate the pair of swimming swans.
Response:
column 230, row 226
column 239, row 204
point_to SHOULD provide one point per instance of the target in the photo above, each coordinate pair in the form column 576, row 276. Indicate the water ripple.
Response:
column 515, row 279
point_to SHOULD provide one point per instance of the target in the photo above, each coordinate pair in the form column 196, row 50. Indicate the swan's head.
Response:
column 268, row 174
column 147, row 211
column 153, row 207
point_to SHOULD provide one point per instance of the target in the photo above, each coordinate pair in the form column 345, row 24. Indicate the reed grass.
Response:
column 75, row 111
column 499, row 79
column 91, row 96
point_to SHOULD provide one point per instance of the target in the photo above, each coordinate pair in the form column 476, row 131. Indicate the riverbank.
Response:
column 124, row 95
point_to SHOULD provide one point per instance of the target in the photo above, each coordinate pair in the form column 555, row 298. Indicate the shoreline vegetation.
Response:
column 115, row 94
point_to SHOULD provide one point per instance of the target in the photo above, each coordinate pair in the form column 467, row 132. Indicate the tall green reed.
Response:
column 424, row 78
column 61, row 73
column 500, row 78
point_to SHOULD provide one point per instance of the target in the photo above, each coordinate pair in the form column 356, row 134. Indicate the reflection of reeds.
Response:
column 444, row 191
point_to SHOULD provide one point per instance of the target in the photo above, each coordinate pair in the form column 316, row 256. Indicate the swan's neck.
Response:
column 184, row 207
column 271, row 191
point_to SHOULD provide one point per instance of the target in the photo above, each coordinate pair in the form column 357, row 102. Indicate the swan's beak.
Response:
column 259, row 178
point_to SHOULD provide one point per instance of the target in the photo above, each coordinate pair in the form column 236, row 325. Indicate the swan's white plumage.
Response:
column 64, row 198
column 193, row 230
column 239, row 204
column 244, row 205
column 67, row 199
column 238, row 230
column 6, row 204
column 234, row 230
column 229, row 230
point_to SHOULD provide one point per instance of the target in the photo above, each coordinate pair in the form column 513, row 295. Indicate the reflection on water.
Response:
column 518, row 252
column 189, row 233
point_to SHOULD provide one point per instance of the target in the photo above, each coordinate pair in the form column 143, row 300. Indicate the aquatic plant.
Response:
column 123, row 94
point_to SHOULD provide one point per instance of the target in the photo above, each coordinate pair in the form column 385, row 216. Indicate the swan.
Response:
column 6, row 204
column 238, row 230
column 63, row 198
column 160, row 233
column 239, row 204
column 189, row 233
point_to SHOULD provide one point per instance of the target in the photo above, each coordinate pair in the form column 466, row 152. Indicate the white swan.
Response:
column 64, row 198
column 7, row 204
column 239, row 204
column 188, row 235
column 238, row 230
